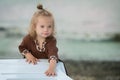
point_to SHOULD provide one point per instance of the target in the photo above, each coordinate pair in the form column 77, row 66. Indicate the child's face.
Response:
column 44, row 27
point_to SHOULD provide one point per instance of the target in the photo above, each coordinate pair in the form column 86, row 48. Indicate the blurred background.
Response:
column 88, row 34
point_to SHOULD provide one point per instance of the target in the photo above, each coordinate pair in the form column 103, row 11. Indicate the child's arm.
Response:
column 53, row 57
column 51, row 69
column 23, row 48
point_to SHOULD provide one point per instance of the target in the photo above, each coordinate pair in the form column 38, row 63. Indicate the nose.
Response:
column 45, row 29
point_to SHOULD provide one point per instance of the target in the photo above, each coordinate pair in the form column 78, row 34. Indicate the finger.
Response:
column 37, row 60
column 53, row 74
column 49, row 74
column 34, row 62
column 46, row 73
column 29, row 61
column 26, row 60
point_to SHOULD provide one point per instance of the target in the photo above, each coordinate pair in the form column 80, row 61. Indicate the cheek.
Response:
column 37, row 30
column 51, row 30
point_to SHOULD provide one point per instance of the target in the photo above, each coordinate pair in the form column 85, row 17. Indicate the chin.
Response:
column 45, row 36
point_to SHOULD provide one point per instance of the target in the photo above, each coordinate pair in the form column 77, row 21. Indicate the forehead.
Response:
column 45, row 20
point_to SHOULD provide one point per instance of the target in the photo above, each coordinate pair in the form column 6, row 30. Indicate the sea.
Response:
column 68, row 49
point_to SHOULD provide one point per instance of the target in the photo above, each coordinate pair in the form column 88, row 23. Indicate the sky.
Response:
column 70, row 15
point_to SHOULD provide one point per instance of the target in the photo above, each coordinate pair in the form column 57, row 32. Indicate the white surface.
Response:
column 18, row 69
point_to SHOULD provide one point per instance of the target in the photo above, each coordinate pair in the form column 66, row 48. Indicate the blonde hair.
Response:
column 40, row 12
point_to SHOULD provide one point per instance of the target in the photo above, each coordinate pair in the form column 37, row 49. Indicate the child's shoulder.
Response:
column 51, row 39
column 27, row 37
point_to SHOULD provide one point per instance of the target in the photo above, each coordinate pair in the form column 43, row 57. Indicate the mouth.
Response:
column 46, row 33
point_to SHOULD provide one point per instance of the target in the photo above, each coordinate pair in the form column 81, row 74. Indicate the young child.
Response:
column 40, row 42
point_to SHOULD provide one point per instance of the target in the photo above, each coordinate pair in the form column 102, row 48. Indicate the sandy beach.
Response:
column 93, row 70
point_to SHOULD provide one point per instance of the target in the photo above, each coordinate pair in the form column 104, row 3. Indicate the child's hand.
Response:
column 50, row 72
column 31, row 59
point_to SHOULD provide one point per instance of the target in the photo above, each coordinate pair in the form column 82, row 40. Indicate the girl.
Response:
column 40, row 42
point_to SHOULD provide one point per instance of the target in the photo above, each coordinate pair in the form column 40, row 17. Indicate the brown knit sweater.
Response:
column 28, row 43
